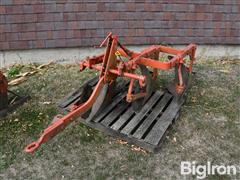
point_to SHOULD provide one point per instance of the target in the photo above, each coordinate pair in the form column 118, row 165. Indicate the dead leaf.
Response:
column 138, row 149
column 47, row 102
column 224, row 71
column 135, row 148
column 17, row 81
column 175, row 139
column 119, row 141
column 202, row 93
column 194, row 99
column 16, row 120
column 182, row 147
column 22, row 76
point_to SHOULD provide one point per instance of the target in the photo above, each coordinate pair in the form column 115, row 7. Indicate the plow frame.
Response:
column 148, row 57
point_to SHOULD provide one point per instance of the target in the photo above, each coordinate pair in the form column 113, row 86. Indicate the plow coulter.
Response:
column 124, row 100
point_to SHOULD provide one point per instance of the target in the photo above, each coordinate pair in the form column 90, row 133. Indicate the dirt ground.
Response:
column 208, row 130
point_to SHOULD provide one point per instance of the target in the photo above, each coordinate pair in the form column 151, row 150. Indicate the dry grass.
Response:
column 208, row 130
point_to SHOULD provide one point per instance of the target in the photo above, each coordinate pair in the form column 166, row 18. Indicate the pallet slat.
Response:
column 70, row 98
column 139, row 116
column 163, row 123
column 73, row 96
column 115, row 113
column 152, row 117
column 123, row 119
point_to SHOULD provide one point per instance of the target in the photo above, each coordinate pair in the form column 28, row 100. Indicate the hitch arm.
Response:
column 60, row 124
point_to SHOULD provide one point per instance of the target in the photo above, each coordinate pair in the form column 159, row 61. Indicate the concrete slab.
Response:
column 71, row 55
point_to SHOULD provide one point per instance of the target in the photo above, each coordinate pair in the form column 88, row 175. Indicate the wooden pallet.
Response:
column 145, row 128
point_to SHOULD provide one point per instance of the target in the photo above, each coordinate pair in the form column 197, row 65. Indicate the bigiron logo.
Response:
column 202, row 171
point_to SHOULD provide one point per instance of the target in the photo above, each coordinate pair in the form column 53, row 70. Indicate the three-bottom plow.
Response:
column 131, row 110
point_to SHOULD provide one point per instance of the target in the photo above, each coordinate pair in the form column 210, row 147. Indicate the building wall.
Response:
column 28, row 24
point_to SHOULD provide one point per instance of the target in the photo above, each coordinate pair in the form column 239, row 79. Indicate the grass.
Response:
column 14, row 71
column 208, row 130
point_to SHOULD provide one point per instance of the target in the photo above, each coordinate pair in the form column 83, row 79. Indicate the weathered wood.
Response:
column 164, row 121
column 152, row 116
column 115, row 113
column 92, row 82
column 139, row 116
column 70, row 98
column 123, row 119
column 75, row 95
column 145, row 128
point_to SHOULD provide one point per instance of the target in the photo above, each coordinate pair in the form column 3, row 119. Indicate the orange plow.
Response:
column 123, row 100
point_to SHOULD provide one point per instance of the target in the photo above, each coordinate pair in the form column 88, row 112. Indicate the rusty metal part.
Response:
column 147, row 89
column 99, row 103
column 9, row 100
column 3, row 92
